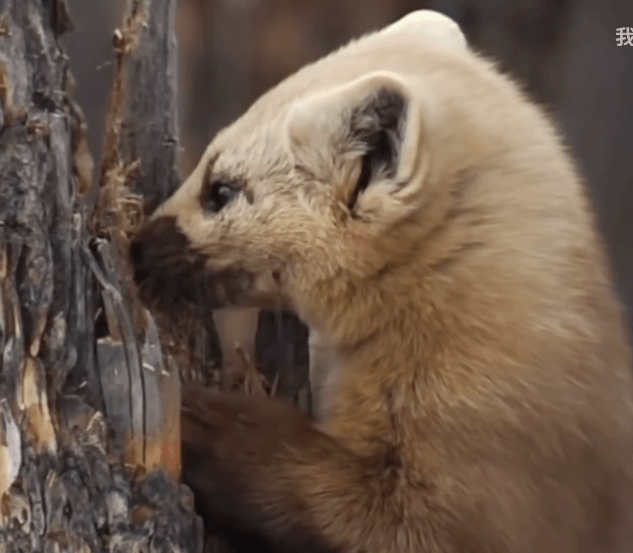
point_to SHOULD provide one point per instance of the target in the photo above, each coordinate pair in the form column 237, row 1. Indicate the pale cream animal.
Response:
column 420, row 213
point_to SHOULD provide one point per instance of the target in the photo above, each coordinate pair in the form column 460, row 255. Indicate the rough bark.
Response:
column 77, row 350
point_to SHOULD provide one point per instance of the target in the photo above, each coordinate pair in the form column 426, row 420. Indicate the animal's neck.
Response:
column 363, row 391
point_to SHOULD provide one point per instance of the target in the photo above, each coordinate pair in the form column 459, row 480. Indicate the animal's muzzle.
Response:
column 170, row 273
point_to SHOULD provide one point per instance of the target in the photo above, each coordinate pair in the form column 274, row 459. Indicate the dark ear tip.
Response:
column 376, row 124
column 380, row 116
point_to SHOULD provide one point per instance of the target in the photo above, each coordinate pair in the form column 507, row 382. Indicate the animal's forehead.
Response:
column 255, row 143
column 405, row 54
column 250, row 152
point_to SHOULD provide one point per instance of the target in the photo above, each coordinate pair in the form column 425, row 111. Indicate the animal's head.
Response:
column 275, row 211
column 319, row 195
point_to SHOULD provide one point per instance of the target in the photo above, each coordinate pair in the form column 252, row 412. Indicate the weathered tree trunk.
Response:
column 89, row 409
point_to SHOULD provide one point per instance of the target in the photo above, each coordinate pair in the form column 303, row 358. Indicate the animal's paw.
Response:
column 232, row 428
column 259, row 471
column 235, row 450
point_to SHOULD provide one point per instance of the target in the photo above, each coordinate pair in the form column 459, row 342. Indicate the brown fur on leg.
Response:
column 230, row 443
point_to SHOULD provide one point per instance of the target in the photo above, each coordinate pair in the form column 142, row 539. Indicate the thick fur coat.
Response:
column 470, row 362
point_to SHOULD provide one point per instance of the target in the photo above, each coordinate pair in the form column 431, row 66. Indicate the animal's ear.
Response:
column 366, row 139
column 431, row 26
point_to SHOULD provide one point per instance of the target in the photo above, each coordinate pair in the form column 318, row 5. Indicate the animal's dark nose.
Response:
column 158, row 253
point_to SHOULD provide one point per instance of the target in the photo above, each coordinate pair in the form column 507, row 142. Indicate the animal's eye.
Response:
column 217, row 194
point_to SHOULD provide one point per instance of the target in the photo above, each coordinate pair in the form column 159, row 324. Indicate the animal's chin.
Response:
column 195, row 292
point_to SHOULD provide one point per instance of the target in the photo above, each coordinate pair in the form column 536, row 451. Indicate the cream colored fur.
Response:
column 464, row 311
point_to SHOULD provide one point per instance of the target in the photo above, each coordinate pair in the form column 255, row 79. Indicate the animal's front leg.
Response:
column 259, row 468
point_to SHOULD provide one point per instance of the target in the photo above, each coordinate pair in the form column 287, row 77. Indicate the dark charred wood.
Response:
column 84, row 385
